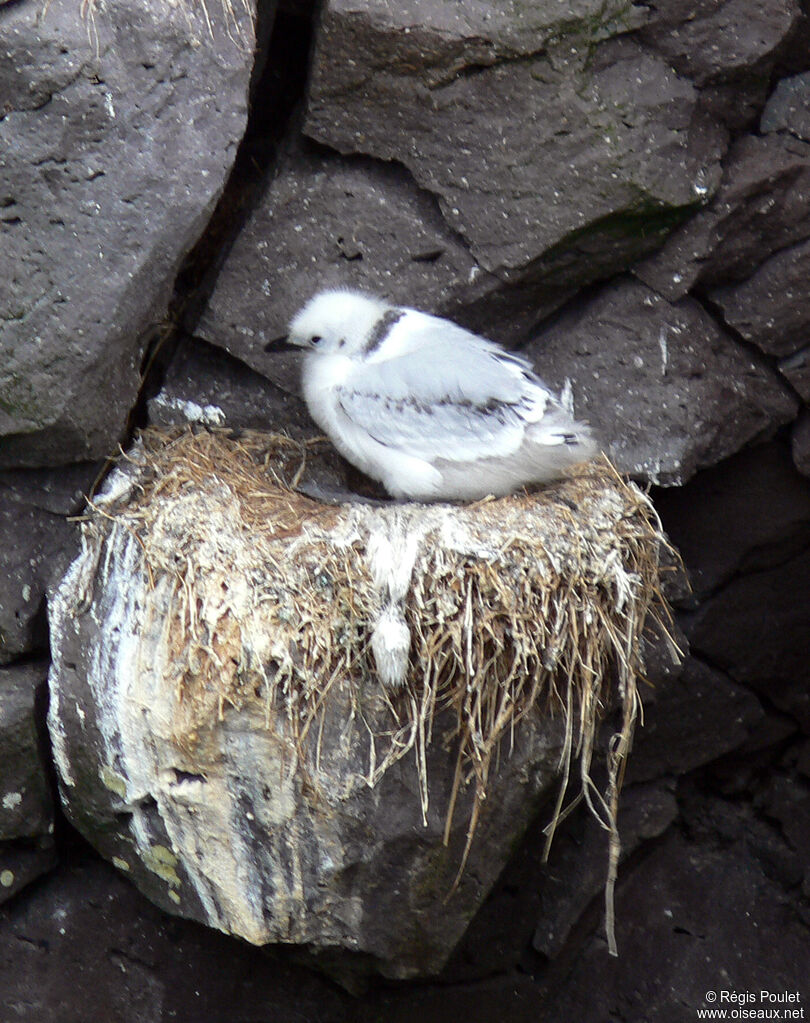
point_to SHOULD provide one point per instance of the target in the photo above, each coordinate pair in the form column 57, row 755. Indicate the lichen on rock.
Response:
column 323, row 713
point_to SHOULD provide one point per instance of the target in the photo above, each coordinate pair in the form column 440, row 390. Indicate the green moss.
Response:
column 18, row 398
column 162, row 861
column 114, row 782
column 585, row 33
column 435, row 878
column 609, row 245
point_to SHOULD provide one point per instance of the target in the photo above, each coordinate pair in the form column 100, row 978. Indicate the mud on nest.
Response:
column 474, row 615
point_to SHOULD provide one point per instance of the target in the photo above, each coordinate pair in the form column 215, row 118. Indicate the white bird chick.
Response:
column 429, row 409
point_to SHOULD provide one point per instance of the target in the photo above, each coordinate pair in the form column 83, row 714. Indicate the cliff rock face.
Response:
column 619, row 190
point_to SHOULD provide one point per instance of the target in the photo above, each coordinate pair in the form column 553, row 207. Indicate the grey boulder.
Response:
column 556, row 145
column 771, row 308
column 26, row 808
column 762, row 206
column 116, row 138
column 728, row 48
column 26, row 804
column 690, row 395
column 757, row 629
column 750, row 512
column 203, row 385
column 788, row 107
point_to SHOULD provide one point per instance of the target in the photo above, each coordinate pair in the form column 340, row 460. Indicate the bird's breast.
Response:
column 322, row 372
column 321, row 378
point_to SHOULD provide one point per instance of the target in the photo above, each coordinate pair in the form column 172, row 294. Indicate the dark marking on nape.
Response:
column 382, row 328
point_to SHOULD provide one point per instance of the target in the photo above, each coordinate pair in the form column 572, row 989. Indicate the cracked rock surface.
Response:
column 762, row 206
column 555, row 113
column 357, row 223
column 691, row 395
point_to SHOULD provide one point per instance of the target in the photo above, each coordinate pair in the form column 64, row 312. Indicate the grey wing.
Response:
column 441, row 402
column 438, row 357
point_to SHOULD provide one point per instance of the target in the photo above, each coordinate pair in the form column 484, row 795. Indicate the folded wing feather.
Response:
column 440, row 399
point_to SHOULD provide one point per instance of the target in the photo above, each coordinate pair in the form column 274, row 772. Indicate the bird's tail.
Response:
column 558, row 428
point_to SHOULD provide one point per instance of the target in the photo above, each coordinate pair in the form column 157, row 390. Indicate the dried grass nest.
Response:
column 529, row 604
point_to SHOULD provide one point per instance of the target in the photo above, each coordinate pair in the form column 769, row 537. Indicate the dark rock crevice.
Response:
column 770, row 363
column 276, row 92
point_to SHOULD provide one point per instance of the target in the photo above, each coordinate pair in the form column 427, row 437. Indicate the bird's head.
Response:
column 333, row 321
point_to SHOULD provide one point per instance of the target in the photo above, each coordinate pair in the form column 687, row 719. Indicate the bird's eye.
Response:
column 315, row 340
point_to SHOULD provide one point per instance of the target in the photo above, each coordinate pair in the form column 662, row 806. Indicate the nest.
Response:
column 445, row 623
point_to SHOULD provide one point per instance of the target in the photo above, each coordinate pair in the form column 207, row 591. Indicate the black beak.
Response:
column 280, row 344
